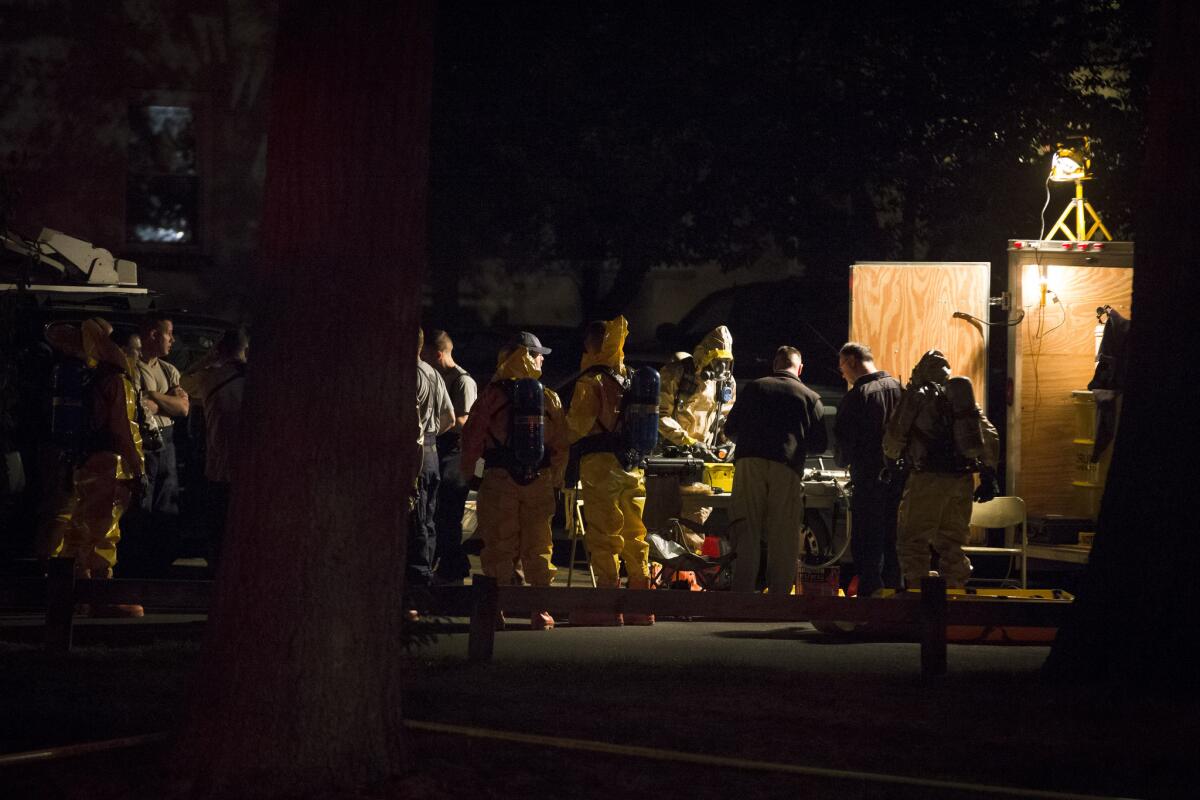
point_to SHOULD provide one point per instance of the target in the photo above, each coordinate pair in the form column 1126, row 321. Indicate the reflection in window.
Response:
column 162, row 200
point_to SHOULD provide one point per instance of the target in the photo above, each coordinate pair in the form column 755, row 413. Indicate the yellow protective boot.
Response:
column 639, row 582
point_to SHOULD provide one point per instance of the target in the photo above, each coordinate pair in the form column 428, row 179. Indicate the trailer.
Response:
column 1026, row 333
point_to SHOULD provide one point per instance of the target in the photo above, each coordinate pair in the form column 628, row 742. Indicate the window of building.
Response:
column 163, row 194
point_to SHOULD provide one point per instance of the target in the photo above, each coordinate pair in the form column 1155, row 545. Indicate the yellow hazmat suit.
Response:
column 103, row 483
column 613, row 497
column 935, row 509
column 514, row 519
column 687, row 399
column 689, row 412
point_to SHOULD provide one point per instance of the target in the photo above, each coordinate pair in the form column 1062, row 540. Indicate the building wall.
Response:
column 74, row 68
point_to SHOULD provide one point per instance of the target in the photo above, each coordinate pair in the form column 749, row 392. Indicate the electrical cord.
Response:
column 1012, row 323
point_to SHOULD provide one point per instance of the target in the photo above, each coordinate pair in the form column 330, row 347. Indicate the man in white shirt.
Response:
column 218, row 384
column 435, row 413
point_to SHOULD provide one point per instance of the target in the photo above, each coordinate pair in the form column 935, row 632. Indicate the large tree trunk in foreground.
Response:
column 300, row 684
column 1135, row 618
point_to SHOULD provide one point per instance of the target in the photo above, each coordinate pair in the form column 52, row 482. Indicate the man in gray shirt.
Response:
column 151, row 539
column 452, row 564
column 436, row 416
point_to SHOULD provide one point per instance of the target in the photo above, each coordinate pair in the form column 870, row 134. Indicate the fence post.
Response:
column 60, row 604
column 485, row 610
column 933, row 627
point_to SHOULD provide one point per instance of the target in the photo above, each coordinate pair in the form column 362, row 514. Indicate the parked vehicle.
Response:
column 807, row 314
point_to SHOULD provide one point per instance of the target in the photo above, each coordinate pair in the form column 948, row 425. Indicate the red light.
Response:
column 1085, row 246
column 1016, row 245
column 1099, row 245
column 1067, row 246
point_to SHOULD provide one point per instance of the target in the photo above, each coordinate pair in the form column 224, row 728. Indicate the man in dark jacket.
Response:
column 776, row 421
column 858, row 430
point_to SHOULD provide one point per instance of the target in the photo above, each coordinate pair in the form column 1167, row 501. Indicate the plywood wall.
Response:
column 1057, row 346
column 902, row 310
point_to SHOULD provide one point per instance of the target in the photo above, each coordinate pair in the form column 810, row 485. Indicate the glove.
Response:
column 988, row 487
column 700, row 451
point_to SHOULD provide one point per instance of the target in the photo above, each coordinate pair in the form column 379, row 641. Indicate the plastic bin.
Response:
column 1085, row 415
column 1087, row 498
column 1086, row 470
column 719, row 476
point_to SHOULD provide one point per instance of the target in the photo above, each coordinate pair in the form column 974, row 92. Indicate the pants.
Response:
column 514, row 521
column 422, row 532
column 91, row 530
column 767, row 506
column 874, row 507
column 151, row 540
column 935, row 510
column 613, row 500
column 452, row 563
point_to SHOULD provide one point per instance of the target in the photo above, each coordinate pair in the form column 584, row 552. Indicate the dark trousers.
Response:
column 452, row 563
column 422, row 534
column 873, row 535
column 150, row 532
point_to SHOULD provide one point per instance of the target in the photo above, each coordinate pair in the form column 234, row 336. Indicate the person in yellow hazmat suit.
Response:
column 515, row 504
column 695, row 397
column 613, row 495
column 943, row 439
column 113, row 467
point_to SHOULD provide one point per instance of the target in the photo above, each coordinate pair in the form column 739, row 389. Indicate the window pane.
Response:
column 162, row 140
column 162, row 209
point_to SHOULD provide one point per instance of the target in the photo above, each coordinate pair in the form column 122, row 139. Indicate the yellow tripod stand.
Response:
column 1081, row 207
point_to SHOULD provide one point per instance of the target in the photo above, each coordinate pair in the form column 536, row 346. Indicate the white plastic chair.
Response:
column 1007, row 513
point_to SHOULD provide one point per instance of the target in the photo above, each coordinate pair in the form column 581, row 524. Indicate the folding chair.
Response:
column 1007, row 513
column 573, row 514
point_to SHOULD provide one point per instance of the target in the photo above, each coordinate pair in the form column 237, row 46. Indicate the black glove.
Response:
column 700, row 451
column 988, row 487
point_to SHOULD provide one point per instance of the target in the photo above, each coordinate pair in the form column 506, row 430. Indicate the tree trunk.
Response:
column 1134, row 620
column 299, row 689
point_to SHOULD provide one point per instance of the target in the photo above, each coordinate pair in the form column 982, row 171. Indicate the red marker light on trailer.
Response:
column 1017, row 245
column 1067, row 245
column 1099, row 245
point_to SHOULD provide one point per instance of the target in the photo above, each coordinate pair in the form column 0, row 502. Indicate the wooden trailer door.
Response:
column 902, row 309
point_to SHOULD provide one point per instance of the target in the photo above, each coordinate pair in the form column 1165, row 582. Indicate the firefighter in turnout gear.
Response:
column 943, row 439
column 112, row 468
column 614, row 491
column 516, row 498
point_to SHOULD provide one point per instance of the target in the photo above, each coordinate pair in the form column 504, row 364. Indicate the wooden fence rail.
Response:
column 929, row 612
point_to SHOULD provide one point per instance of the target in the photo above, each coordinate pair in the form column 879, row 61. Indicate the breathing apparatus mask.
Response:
column 720, row 369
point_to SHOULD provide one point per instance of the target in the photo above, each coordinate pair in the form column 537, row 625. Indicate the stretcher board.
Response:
column 902, row 309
